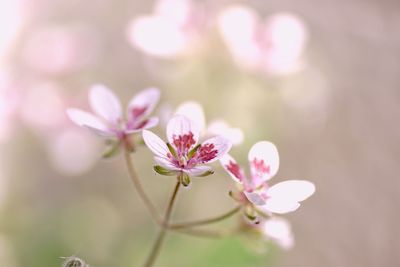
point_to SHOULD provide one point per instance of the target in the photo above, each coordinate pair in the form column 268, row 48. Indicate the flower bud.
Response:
column 184, row 178
column 163, row 171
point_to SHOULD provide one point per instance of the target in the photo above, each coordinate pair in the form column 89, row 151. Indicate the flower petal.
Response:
column 143, row 103
column 212, row 149
column 284, row 197
column 255, row 198
column 105, row 103
column 85, row 119
column 198, row 170
column 166, row 163
column 220, row 127
column 180, row 126
column 146, row 124
column 233, row 169
column 264, row 161
column 155, row 144
column 193, row 111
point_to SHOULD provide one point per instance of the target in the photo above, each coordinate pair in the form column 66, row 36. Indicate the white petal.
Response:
column 85, row 119
column 280, row 206
column 105, row 103
column 297, row 190
column 143, row 103
column 193, row 111
column 233, row 169
column 220, row 127
column 284, row 197
column 255, row 198
column 180, row 125
column 219, row 144
column 164, row 162
column 198, row 170
column 155, row 144
column 264, row 161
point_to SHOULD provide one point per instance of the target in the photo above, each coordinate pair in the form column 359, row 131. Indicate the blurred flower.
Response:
column 65, row 49
column 72, row 151
column 169, row 32
column 9, row 101
column 283, row 197
column 195, row 112
column 109, row 121
column 11, row 20
column 278, row 230
column 43, row 106
column 273, row 46
column 182, row 155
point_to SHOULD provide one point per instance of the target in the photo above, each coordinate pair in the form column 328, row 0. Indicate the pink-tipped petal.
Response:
column 85, row 119
column 214, row 148
column 142, row 104
column 155, row 144
column 233, row 169
column 146, row 124
column 198, row 170
column 105, row 103
column 193, row 111
column 181, row 126
column 264, row 161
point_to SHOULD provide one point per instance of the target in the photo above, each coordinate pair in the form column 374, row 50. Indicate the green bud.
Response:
column 184, row 178
column 163, row 171
column 193, row 151
column 251, row 214
column 207, row 173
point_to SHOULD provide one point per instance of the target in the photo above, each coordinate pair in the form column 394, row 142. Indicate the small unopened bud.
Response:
column 251, row 214
column 74, row 262
column 163, row 171
column 184, row 178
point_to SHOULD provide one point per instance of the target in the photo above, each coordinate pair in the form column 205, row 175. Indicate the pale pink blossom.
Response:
column 274, row 45
column 169, row 31
column 218, row 127
column 108, row 119
column 182, row 154
column 280, row 198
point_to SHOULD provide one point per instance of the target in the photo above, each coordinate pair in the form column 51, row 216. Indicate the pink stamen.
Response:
column 183, row 143
column 206, row 153
column 138, row 111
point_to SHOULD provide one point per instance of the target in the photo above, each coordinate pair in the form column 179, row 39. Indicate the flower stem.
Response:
column 139, row 188
column 160, row 238
column 203, row 222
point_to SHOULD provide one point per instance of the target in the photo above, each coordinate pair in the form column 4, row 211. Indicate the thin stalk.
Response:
column 161, row 236
column 139, row 188
column 204, row 222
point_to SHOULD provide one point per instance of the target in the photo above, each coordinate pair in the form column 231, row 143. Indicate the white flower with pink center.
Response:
column 109, row 121
column 280, row 198
column 182, row 155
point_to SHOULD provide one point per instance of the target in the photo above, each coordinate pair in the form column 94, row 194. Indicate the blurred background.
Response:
column 318, row 78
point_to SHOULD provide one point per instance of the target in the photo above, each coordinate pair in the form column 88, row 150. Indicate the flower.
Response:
column 255, row 191
column 274, row 45
column 195, row 112
column 278, row 230
column 109, row 121
column 181, row 155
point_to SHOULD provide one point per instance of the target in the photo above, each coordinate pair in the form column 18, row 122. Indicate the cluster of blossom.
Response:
column 187, row 152
column 177, row 27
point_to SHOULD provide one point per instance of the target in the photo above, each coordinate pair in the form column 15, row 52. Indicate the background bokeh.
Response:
column 334, row 117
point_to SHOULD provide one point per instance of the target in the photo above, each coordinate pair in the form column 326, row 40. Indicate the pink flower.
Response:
column 181, row 155
column 278, row 230
column 109, row 120
column 283, row 197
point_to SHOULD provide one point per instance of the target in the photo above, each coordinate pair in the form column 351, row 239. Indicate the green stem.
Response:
column 204, row 222
column 161, row 236
column 139, row 188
